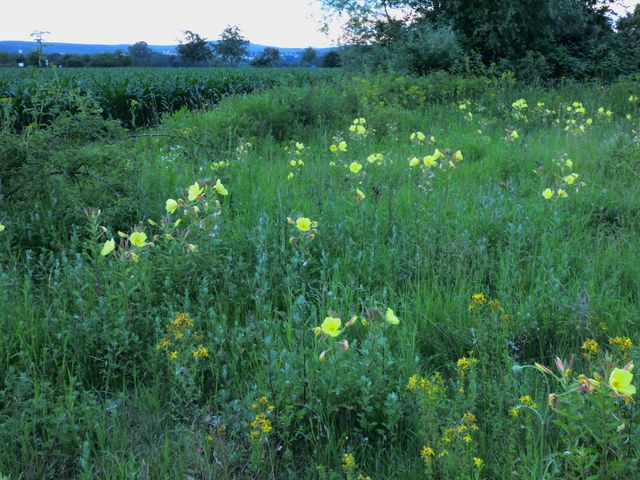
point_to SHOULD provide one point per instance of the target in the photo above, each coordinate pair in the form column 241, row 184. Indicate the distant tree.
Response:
column 140, row 54
column 268, row 58
column 39, row 37
column 232, row 45
column 194, row 49
column 331, row 59
column 309, row 56
column 629, row 34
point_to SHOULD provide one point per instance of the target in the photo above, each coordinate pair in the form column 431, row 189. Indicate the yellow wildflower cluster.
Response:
column 261, row 424
column 590, row 347
column 432, row 387
column 179, row 335
column 565, row 180
column 461, row 431
column 348, row 462
column 576, row 123
column 465, row 364
column 624, row 344
column 421, row 138
column 296, row 162
column 477, row 300
column 427, row 453
column 527, row 401
column 357, row 127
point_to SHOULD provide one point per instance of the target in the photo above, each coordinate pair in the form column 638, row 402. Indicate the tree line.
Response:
column 536, row 39
column 193, row 50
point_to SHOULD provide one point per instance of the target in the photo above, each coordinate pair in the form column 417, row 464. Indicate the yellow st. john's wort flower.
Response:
column 303, row 224
column 620, row 381
column 138, row 239
column 220, row 188
column 194, row 191
column 355, row 167
column 171, row 205
column 391, row 317
column 331, row 326
column 108, row 247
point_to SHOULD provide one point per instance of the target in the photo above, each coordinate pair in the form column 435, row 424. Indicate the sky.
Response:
column 282, row 23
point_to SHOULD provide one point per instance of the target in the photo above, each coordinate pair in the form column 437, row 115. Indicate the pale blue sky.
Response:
column 284, row 23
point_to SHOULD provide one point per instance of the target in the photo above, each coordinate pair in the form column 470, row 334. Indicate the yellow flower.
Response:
column 348, row 462
column 590, row 346
column 299, row 146
column 420, row 136
column 547, row 194
column 194, row 191
column 108, row 247
column 290, row 176
column 391, row 317
column 620, row 381
column 2, row 227
column 292, row 163
column 355, row 167
column 331, row 326
column 569, row 163
column 333, row 148
column 414, row 162
column 569, row 179
column 515, row 135
column 458, row 156
column 477, row 461
column 138, row 239
column 562, row 193
column 303, row 224
column 173, row 355
column 342, row 146
column 437, row 154
column 359, row 195
column 513, row 412
column 200, row 352
column 429, row 161
column 171, row 205
column 220, row 188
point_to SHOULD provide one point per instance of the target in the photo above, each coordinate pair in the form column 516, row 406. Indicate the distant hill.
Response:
column 14, row 46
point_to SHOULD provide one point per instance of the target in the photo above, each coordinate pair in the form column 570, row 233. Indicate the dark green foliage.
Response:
column 232, row 46
column 194, row 50
column 268, row 58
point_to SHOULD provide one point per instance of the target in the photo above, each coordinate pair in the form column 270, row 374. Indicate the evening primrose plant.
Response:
column 593, row 407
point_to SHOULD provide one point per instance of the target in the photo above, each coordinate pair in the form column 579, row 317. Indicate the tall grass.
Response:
column 86, row 393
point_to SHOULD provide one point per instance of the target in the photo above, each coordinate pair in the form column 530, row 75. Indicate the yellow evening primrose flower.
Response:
column 108, row 247
column 420, row 136
column 355, row 167
column 220, row 188
column 292, row 163
column 414, row 162
column 547, row 194
column 2, row 228
column 138, row 239
column 569, row 179
column 303, row 224
column 171, row 205
column 562, row 193
column 620, row 381
column 342, row 146
column 333, row 148
column 359, row 194
column 437, row 154
column 569, row 163
column 194, row 191
column 515, row 135
column 391, row 317
column 331, row 326
column 429, row 161
column 458, row 157
column 290, row 176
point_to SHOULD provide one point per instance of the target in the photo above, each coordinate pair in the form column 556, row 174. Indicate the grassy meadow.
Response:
column 361, row 278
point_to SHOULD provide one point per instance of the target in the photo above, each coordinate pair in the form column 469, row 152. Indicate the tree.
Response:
column 232, row 46
column 268, row 58
column 194, row 50
column 140, row 54
column 331, row 59
column 309, row 56
column 39, row 36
